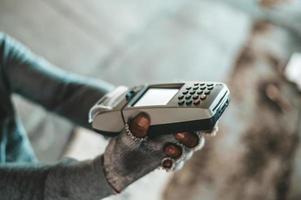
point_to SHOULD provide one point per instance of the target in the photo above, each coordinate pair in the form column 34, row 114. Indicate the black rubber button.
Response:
column 188, row 97
column 203, row 97
column 202, row 84
column 195, row 96
column 207, row 92
column 188, row 88
column 188, row 102
column 181, row 102
column 185, row 92
column 195, row 84
column 210, row 88
column 210, row 84
column 191, row 92
column 180, row 97
column 203, row 88
column 195, row 87
column 196, row 102
column 200, row 92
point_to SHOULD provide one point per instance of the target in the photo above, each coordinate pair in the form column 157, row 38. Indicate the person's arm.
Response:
column 128, row 157
column 34, row 78
column 68, row 95
column 68, row 180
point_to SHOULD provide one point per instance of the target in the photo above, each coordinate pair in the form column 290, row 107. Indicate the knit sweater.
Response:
column 71, row 96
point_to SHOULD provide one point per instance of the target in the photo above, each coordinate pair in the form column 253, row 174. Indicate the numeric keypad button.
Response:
column 195, row 96
column 188, row 97
column 181, row 102
column 207, row 92
column 203, row 97
column 188, row 102
column 180, row 97
column 185, row 92
column 199, row 92
column 196, row 102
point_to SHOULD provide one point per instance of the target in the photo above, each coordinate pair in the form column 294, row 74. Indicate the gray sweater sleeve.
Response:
column 68, row 180
column 68, row 95
column 58, row 91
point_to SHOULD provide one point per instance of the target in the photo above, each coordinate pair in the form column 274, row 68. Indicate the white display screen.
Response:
column 156, row 96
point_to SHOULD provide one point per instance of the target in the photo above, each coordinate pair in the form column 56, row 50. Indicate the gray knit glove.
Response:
column 132, row 154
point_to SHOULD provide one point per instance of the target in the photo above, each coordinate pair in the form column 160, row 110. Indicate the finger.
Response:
column 188, row 154
column 168, row 163
column 213, row 131
column 201, row 141
column 139, row 125
column 178, row 165
column 172, row 150
column 188, row 139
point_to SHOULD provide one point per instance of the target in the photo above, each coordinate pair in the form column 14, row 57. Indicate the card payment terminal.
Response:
column 172, row 107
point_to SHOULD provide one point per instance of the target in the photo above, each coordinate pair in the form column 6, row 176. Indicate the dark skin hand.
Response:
column 131, row 155
column 139, row 127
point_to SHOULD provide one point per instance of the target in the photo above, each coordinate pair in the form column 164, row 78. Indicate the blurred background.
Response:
column 247, row 44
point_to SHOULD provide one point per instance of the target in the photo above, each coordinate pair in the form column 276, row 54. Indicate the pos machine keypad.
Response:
column 195, row 94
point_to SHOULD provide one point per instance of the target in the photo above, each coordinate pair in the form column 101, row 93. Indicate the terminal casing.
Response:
column 188, row 106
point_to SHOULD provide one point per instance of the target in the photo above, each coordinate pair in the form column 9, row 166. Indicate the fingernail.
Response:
column 180, row 136
column 143, row 122
column 140, row 125
column 167, row 163
column 173, row 151
column 188, row 139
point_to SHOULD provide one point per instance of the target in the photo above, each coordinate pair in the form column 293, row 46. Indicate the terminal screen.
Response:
column 156, row 96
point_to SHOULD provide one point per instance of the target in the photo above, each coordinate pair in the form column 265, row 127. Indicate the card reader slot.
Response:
column 222, row 108
column 220, row 101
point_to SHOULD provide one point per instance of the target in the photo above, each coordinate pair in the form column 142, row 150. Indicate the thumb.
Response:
column 140, row 124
